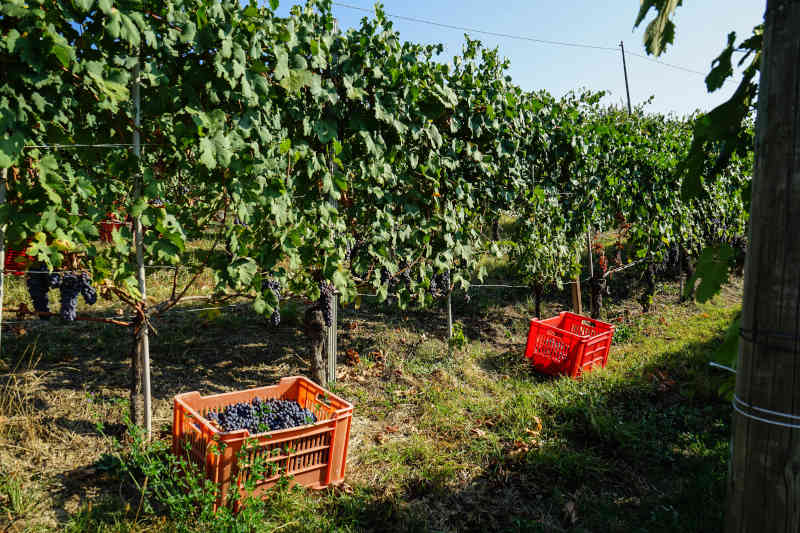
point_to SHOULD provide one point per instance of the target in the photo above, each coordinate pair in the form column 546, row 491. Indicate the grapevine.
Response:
column 424, row 161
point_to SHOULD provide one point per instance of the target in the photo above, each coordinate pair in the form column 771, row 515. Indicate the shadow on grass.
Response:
column 210, row 353
column 643, row 449
column 646, row 451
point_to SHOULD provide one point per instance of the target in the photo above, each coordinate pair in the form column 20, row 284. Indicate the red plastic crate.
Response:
column 108, row 225
column 314, row 455
column 568, row 344
column 16, row 261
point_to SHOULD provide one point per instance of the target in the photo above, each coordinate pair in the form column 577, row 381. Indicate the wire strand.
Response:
column 484, row 32
column 7, row 271
column 665, row 64
column 78, row 145
column 522, row 37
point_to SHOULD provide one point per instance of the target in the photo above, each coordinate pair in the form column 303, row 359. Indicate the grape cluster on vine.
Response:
column 258, row 416
column 39, row 283
column 70, row 285
column 326, row 301
column 352, row 249
column 275, row 287
column 440, row 284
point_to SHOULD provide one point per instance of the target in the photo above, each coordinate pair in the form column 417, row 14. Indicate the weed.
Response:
column 458, row 339
column 16, row 503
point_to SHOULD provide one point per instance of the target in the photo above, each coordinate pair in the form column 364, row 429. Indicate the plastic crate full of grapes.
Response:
column 568, row 344
column 247, row 441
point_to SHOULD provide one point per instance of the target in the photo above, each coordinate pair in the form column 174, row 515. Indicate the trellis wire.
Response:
column 78, row 145
column 723, row 367
column 8, row 271
column 128, row 317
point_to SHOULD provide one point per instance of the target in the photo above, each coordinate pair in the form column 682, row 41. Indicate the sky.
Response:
column 702, row 27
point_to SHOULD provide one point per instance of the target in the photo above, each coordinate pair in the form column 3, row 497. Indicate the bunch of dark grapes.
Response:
column 398, row 280
column 325, row 302
column 39, row 284
column 352, row 249
column 440, row 284
column 259, row 415
column 445, row 281
column 275, row 287
column 71, row 285
column 405, row 277
column 88, row 292
column 670, row 265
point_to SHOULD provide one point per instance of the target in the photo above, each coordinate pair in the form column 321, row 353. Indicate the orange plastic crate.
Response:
column 568, row 344
column 314, row 455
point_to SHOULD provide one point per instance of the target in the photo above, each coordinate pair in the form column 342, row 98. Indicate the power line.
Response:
column 473, row 30
column 520, row 37
column 671, row 65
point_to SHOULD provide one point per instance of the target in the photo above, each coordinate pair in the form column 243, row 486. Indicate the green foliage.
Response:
column 723, row 131
column 660, row 31
column 316, row 141
column 459, row 338
column 174, row 486
column 723, row 137
column 713, row 267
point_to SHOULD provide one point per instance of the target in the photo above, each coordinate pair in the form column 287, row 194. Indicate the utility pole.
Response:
column 625, row 71
column 764, row 476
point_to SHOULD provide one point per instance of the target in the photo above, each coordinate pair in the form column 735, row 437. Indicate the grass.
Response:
column 444, row 438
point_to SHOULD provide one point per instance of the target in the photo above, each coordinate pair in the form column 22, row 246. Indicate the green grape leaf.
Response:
column 208, row 155
column 728, row 352
column 296, row 80
column 105, row 6
column 11, row 149
column 713, row 268
column 281, row 71
column 63, row 53
column 325, row 130
column 721, row 67
column 83, row 5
